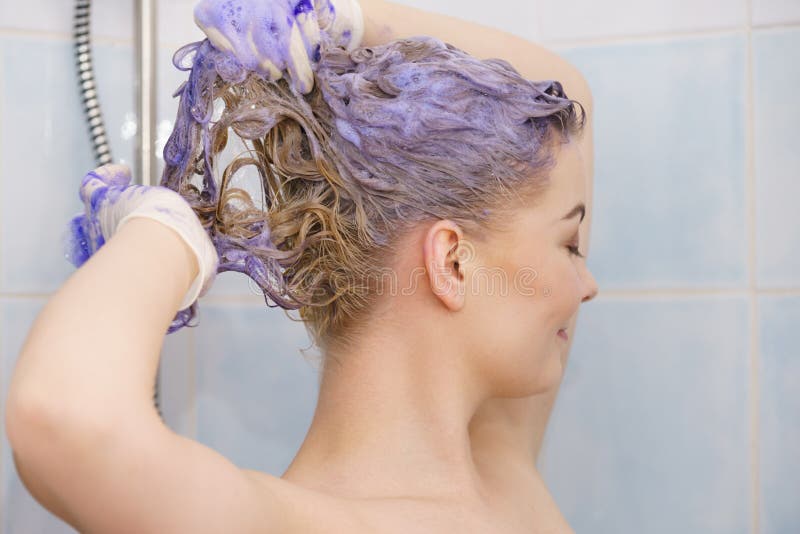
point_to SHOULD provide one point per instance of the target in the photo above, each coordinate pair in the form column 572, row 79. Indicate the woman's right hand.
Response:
column 271, row 37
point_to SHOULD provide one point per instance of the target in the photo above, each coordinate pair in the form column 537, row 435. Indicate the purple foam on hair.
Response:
column 413, row 119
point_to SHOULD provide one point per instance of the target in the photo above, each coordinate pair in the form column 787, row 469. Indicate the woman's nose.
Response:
column 591, row 285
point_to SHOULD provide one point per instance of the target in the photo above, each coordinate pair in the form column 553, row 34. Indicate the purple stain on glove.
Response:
column 303, row 6
column 76, row 241
column 99, row 188
column 81, row 239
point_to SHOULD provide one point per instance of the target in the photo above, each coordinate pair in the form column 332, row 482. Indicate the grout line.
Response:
column 750, row 178
column 772, row 25
column 61, row 36
column 68, row 38
column 539, row 24
column 637, row 38
column 604, row 40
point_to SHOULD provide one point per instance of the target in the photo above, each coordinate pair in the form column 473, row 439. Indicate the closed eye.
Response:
column 574, row 251
column 573, row 246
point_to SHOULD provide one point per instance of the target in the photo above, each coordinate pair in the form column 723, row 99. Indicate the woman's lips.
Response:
column 563, row 334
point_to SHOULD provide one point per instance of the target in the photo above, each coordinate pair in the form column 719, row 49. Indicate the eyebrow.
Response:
column 580, row 208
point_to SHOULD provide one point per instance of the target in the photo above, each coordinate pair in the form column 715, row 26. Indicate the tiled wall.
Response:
column 680, row 406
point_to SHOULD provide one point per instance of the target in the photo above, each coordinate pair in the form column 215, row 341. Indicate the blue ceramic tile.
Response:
column 581, row 19
column 22, row 514
column 46, row 151
column 669, row 185
column 777, row 161
column 775, row 12
column 650, row 432
column 779, row 450
column 256, row 392
column 109, row 18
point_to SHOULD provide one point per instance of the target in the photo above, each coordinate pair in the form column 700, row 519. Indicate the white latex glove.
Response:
column 272, row 36
column 110, row 202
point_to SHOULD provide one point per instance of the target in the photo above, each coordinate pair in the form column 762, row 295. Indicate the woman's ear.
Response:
column 443, row 262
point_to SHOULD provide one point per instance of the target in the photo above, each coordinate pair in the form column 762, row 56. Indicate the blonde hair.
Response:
column 390, row 136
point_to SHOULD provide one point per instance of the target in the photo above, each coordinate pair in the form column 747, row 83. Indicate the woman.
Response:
column 411, row 159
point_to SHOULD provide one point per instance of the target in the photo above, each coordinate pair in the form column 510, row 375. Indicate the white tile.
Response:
column 582, row 19
column 775, row 12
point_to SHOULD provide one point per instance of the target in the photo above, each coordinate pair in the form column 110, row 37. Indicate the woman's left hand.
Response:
column 110, row 201
column 266, row 36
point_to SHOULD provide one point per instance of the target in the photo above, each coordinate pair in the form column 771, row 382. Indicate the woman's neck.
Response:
column 392, row 419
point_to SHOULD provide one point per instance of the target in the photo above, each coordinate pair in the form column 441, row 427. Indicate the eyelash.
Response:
column 573, row 249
